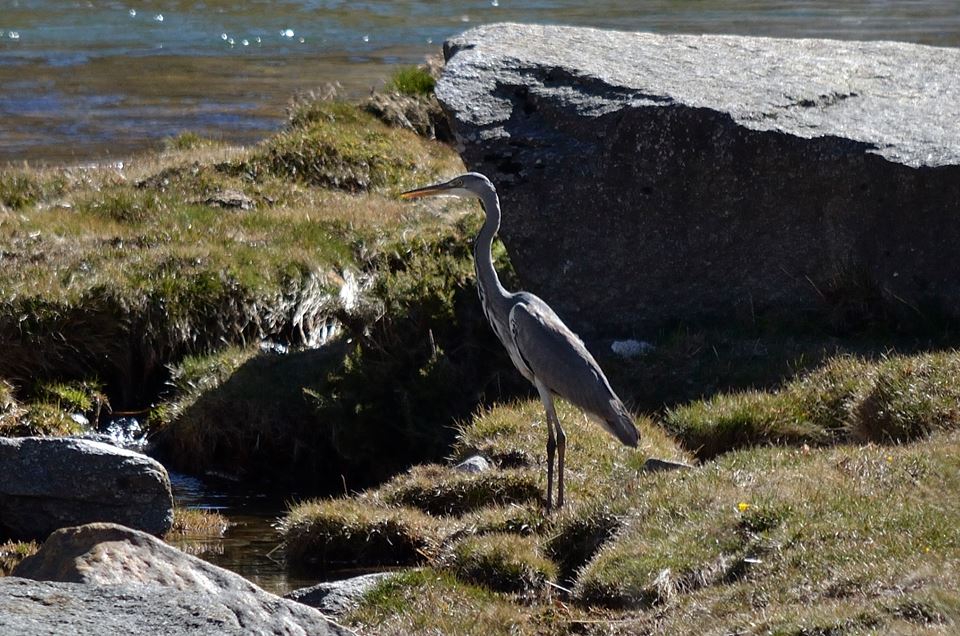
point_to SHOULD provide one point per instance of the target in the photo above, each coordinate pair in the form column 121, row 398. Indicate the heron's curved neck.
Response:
column 487, row 277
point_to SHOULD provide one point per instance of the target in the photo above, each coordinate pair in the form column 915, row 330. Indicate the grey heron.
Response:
column 541, row 346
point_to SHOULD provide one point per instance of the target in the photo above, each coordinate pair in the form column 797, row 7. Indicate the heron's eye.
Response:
column 458, row 183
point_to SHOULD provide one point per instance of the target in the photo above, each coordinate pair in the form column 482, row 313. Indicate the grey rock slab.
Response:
column 46, row 608
column 104, row 556
column 49, row 483
column 338, row 597
column 650, row 178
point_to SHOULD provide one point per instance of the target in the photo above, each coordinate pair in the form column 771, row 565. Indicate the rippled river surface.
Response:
column 94, row 80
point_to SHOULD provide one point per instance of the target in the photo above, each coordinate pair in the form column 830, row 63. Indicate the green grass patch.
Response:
column 908, row 397
column 428, row 601
column 734, row 420
column 502, row 562
column 411, row 80
column 333, row 144
column 117, row 273
column 898, row 398
column 798, row 526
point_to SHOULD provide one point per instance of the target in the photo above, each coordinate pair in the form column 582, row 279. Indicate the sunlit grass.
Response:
column 13, row 552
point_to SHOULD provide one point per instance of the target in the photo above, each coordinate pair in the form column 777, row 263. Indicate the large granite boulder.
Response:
column 647, row 179
column 110, row 579
column 49, row 483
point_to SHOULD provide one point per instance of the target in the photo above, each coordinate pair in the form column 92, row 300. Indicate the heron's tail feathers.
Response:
column 619, row 423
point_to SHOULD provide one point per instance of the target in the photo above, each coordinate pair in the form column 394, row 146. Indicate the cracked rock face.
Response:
column 649, row 179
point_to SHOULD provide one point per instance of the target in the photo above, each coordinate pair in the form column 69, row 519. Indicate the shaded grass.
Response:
column 356, row 412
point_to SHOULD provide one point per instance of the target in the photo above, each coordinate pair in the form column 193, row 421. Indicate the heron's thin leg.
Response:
column 561, row 450
column 551, row 413
column 551, row 447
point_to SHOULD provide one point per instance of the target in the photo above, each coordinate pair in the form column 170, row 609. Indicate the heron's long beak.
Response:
column 427, row 191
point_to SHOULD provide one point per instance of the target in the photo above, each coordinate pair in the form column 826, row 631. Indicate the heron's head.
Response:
column 469, row 185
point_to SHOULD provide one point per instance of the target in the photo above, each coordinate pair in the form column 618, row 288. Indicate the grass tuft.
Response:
column 908, row 397
column 338, row 533
column 13, row 552
column 18, row 190
column 502, row 562
column 196, row 523
column 898, row 399
column 338, row 145
column 735, row 420
column 441, row 490
column 783, row 522
column 412, row 80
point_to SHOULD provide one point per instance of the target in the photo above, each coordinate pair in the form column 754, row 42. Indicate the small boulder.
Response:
column 49, row 483
column 654, row 465
column 109, row 557
column 338, row 597
column 474, row 464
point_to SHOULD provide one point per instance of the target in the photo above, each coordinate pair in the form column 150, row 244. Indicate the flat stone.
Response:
column 109, row 560
column 649, row 178
column 49, row 483
column 654, row 465
column 336, row 598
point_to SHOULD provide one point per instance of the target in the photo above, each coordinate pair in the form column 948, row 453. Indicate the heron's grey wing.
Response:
column 559, row 359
